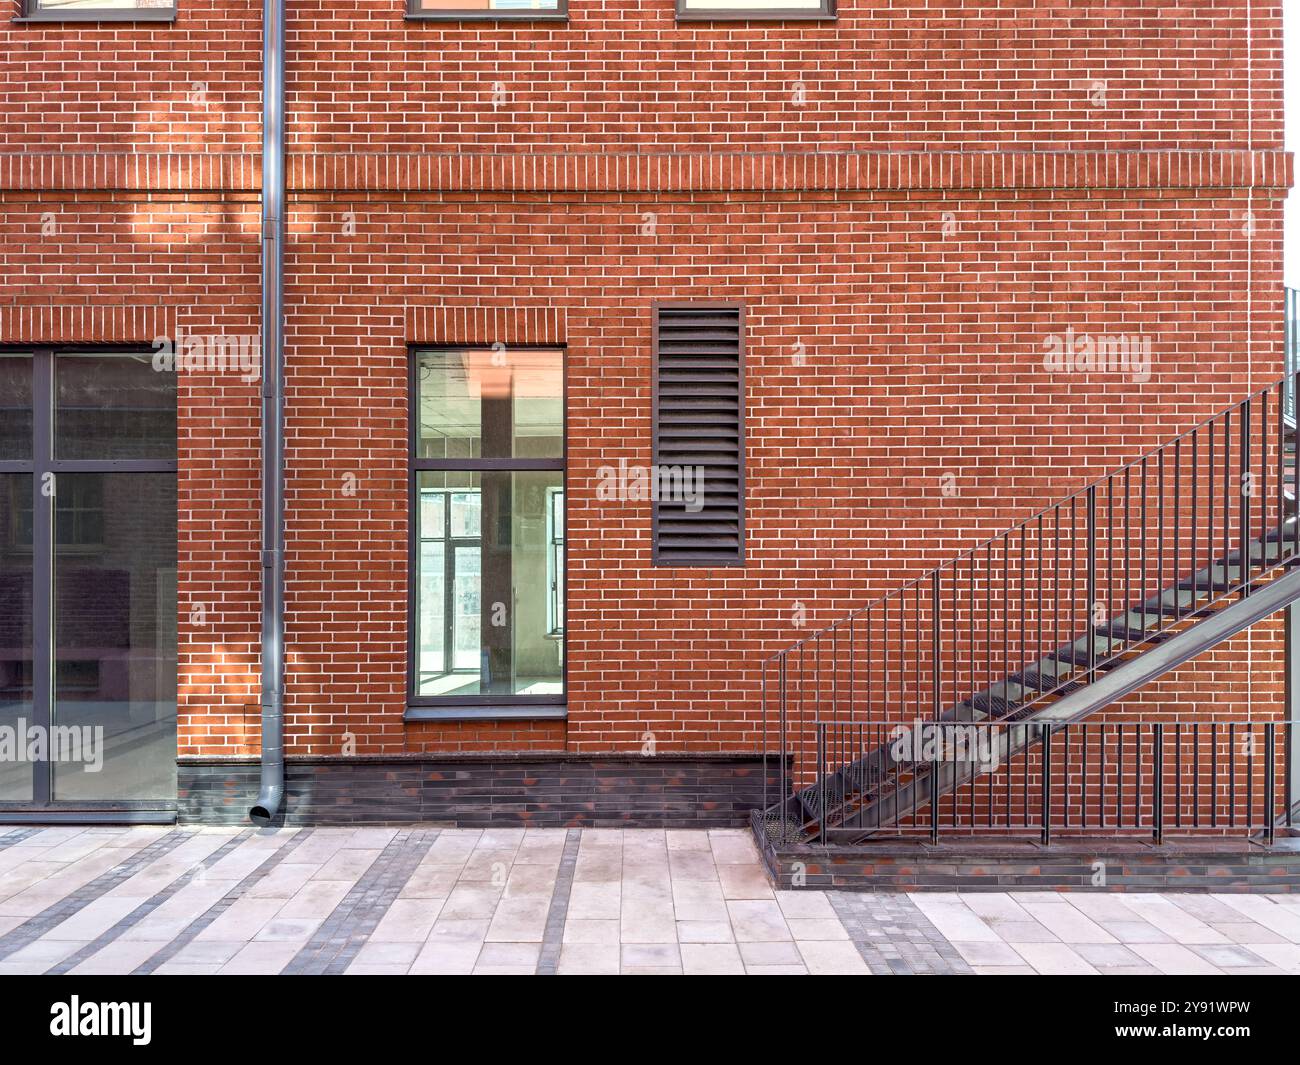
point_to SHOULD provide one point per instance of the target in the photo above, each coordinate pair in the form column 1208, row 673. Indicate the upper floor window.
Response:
column 489, row 9
column 100, row 10
column 741, row 9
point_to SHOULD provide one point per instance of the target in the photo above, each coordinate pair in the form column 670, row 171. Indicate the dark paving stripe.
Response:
column 222, row 904
column 35, row 927
column 894, row 937
column 344, row 932
column 548, row 961
column 147, row 907
column 17, row 835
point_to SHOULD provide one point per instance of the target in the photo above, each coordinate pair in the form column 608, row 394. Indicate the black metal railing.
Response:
column 1042, row 780
column 1010, row 626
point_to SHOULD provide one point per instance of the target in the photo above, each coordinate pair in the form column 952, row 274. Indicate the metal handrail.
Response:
column 1042, row 608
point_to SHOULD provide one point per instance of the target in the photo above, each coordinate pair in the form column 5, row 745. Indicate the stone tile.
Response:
column 117, row 957
column 985, row 953
column 407, row 921
column 1004, row 970
column 758, row 921
column 585, row 931
column 261, row 959
column 1027, row 931
column 954, row 919
column 775, row 970
column 595, row 901
column 1067, row 923
column 744, row 882
column 1174, row 959
column 770, row 954
column 521, row 920
column 733, row 847
column 1177, row 923
column 647, row 921
column 507, row 958
column 824, row 957
column 699, row 901
column 711, row 959
column 589, row 959
column 650, row 955
column 809, row 904
column 288, row 930
column 1051, row 959
column 1107, row 955
column 705, row 932
column 1284, row 956
column 374, row 952
column 1229, row 956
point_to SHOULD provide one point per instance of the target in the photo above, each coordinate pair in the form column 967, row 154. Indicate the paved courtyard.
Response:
column 558, row 901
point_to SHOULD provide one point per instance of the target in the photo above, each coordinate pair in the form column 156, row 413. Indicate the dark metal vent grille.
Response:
column 699, row 425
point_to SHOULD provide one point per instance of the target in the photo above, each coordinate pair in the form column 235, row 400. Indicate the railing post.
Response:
column 1047, row 784
column 821, row 782
column 1158, row 791
column 763, row 697
column 934, row 790
column 1243, row 569
column 784, row 790
column 1270, row 782
column 1092, row 582
column 935, row 645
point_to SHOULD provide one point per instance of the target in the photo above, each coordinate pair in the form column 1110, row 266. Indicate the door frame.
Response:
column 42, row 807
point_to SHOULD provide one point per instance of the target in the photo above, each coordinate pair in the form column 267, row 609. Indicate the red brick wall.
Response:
column 920, row 287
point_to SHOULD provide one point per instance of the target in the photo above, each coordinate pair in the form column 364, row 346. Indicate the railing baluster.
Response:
column 1092, row 583
column 1158, row 788
column 1047, row 784
column 1244, row 490
column 1269, row 782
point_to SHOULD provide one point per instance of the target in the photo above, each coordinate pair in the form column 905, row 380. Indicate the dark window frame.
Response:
column 678, row 562
column 42, row 805
column 414, row 11
column 825, row 13
column 489, row 707
column 32, row 12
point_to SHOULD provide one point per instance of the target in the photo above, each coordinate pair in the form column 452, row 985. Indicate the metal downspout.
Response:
column 271, row 794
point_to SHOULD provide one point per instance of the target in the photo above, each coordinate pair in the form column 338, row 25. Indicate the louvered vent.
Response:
column 699, row 424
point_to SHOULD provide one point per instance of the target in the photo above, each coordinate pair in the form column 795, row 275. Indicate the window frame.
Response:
column 32, row 12
column 414, row 11
column 490, row 707
column 825, row 13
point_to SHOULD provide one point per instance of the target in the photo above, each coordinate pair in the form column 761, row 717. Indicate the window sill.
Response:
column 106, row 15
column 755, row 16
column 536, row 712
column 496, row 16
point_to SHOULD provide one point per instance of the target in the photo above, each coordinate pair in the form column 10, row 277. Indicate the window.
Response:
column 487, row 495
column 99, row 10
column 741, row 9
column 489, row 9
column 697, row 483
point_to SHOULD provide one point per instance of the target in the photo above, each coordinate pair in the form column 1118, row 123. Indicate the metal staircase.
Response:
column 1034, row 630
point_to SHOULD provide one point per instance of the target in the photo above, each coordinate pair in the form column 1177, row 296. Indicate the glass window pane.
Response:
column 484, row 7
column 755, row 5
column 16, row 711
column 487, row 622
column 115, row 636
column 480, row 403
column 113, row 407
column 15, row 407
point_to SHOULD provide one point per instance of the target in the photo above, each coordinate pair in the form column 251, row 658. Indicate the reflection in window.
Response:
column 489, row 539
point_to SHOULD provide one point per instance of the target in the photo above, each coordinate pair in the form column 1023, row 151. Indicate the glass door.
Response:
column 88, row 643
